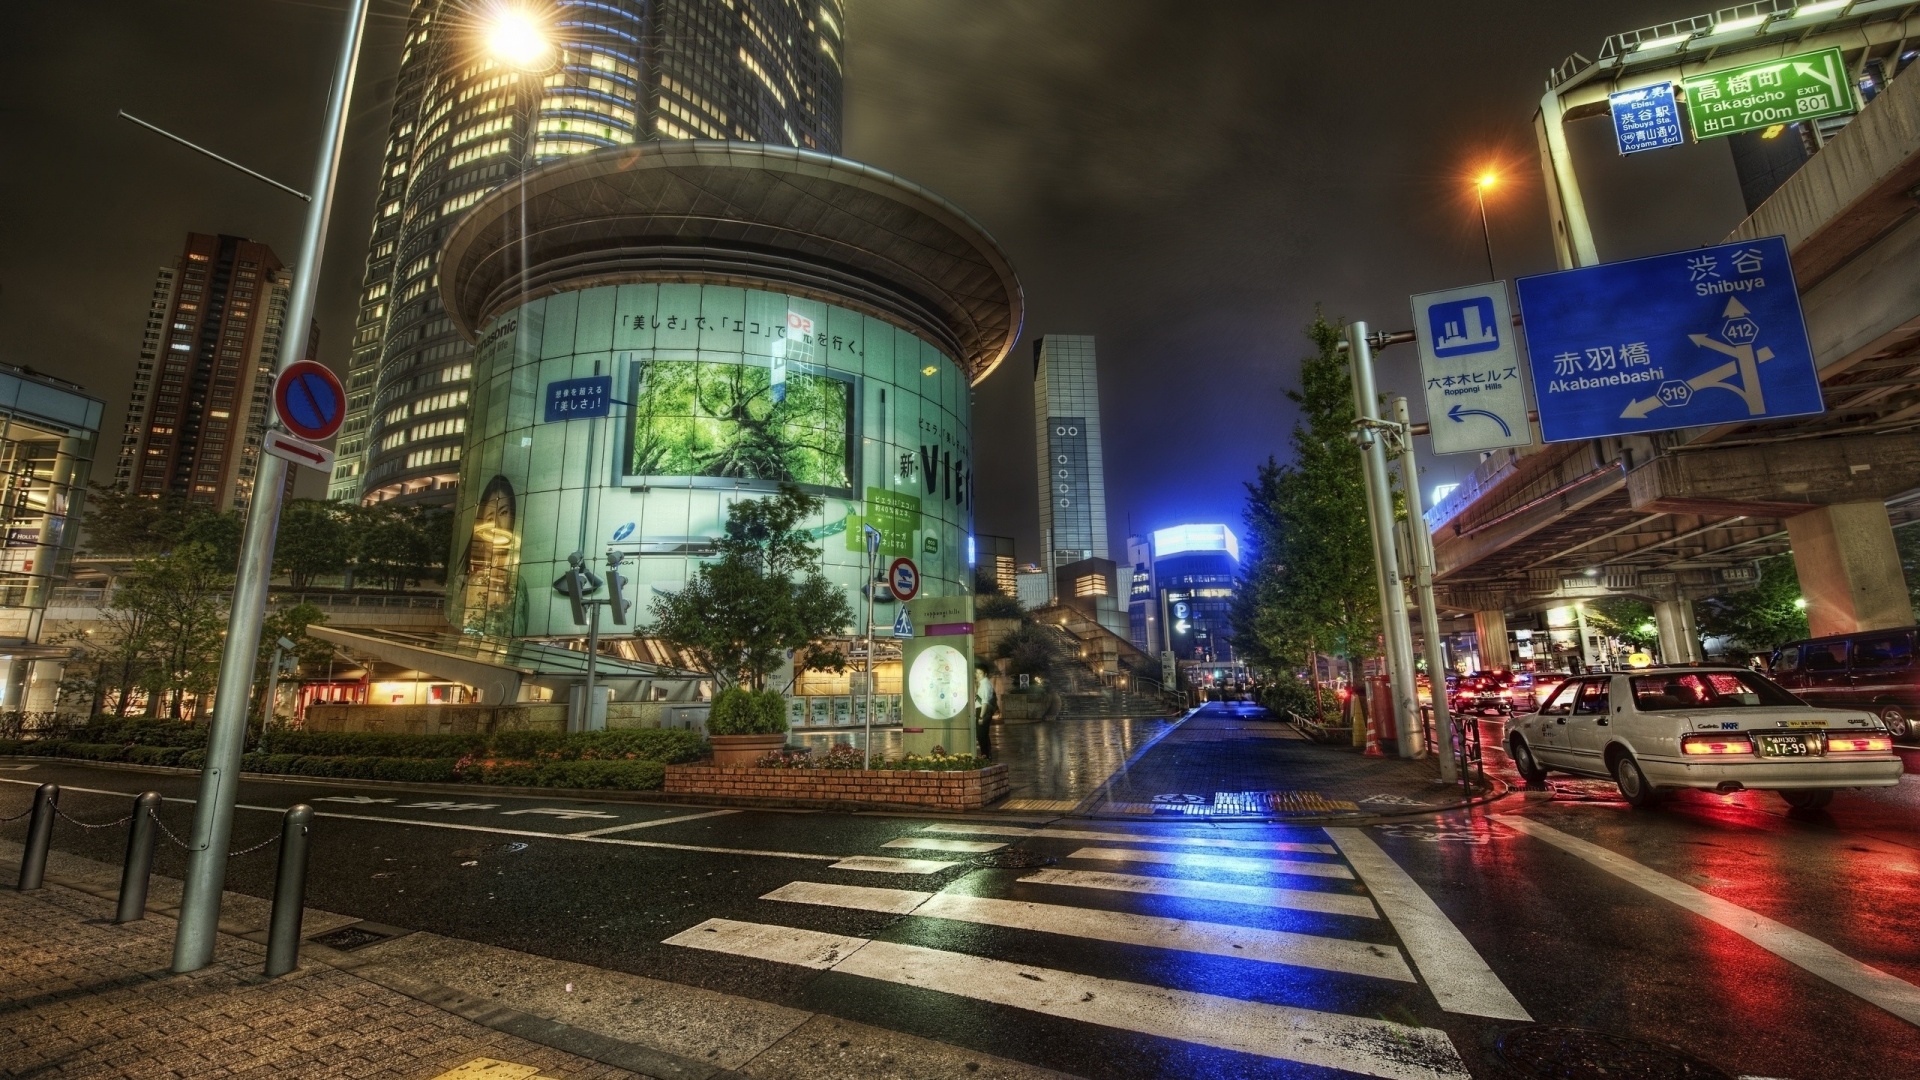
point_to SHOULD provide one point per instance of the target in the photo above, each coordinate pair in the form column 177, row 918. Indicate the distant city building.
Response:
column 1033, row 587
column 1143, row 609
column 1073, row 483
column 48, row 431
column 995, row 555
column 200, row 387
column 766, row 71
column 1195, row 570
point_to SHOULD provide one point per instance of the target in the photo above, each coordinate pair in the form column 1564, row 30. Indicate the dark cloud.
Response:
column 1183, row 180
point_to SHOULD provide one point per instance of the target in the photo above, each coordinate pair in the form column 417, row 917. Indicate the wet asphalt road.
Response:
column 1526, row 915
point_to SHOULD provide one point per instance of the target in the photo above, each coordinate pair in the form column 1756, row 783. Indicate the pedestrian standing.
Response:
column 982, row 708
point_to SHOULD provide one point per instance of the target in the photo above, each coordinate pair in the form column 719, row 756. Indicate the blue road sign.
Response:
column 1463, row 327
column 1470, row 367
column 903, row 623
column 1646, row 118
column 309, row 400
column 1708, row 336
column 577, row 399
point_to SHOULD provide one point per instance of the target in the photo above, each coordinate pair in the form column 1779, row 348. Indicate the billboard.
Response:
column 725, row 422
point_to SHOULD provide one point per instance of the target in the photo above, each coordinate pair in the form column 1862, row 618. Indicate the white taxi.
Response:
column 1720, row 729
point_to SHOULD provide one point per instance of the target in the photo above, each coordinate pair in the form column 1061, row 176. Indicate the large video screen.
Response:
column 721, row 421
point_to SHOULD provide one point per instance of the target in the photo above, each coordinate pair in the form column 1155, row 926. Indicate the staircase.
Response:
column 1097, row 673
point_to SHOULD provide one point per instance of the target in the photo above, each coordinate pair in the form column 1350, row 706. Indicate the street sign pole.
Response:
column 1422, row 544
column 873, row 571
column 227, row 734
column 1393, row 600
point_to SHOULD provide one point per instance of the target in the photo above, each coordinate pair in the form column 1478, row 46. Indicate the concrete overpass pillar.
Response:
column 1491, row 628
column 1849, row 568
column 1679, row 637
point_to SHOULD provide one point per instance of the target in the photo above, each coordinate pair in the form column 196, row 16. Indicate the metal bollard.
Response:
column 142, row 832
column 33, row 861
column 289, row 892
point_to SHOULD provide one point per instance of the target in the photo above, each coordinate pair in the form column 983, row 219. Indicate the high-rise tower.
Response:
column 1073, row 480
column 199, row 402
column 626, row 71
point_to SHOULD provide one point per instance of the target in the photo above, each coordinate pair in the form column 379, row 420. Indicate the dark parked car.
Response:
column 1871, row 670
column 1483, row 692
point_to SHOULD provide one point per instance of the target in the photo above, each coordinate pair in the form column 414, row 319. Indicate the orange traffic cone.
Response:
column 1373, row 737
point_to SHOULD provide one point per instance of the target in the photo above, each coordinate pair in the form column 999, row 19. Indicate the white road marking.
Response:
column 1897, row 996
column 859, row 897
column 932, row 843
column 459, row 827
column 565, row 813
column 1134, row 838
column 1460, row 980
column 880, row 864
column 1216, row 862
column 1331, row 903
column 656, row 821
column 1355, row 1044
column 1118, row 927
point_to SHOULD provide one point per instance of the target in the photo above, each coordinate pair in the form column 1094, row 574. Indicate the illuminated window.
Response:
column 1090, row 585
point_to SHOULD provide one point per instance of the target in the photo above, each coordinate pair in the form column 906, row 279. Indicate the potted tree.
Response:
column 745, row 724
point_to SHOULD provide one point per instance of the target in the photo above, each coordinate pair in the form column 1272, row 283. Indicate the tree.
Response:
column 397, row 546
column 764, row 596
column 290, row 622
column 1624, row 617
column 1308, row 585
column 1756, row 620
column 180, row 598
column 313, row 540
column 120, row 523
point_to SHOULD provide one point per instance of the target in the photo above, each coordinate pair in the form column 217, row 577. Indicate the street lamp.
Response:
column 1480, row 185
column 518, row 39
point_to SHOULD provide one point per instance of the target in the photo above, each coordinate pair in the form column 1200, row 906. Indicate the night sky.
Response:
column 1186, row 181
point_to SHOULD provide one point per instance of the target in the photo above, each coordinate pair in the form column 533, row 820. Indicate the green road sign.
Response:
column 1758, row 96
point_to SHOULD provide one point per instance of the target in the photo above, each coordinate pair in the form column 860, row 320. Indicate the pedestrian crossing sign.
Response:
column 903, row 623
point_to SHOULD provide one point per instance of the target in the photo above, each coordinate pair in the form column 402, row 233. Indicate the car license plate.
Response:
column 1786, row 746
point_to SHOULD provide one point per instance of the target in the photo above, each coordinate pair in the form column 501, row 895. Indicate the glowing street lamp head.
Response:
column 518, row 39
column 1486, row 180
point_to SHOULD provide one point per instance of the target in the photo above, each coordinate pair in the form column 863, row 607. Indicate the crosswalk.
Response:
column 1323, row 917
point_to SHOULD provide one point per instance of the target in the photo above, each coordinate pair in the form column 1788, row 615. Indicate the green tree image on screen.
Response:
column 692, row 418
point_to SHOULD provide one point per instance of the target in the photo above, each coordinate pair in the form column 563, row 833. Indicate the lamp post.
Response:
column 1480, row 186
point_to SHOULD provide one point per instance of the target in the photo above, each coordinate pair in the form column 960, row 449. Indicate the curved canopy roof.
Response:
column 743, row 214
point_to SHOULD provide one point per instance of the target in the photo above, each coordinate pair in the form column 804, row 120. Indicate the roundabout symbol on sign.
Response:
column 903, row 579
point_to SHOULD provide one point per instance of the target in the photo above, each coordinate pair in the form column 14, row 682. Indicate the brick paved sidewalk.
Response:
column 1240, row 762
column 82, row 997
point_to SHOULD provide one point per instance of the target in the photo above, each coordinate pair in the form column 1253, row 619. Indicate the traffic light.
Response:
column 617, row 600
column 576, row 584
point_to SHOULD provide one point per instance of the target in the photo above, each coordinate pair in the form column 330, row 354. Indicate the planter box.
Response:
column 744, row 749
column 969, row 790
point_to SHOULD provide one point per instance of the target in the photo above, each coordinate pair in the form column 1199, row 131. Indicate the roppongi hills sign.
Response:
column 718, row 393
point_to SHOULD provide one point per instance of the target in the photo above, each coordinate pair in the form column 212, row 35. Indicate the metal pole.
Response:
column 593, row 654
column 33, row 859
column 1480, row 196
column 1393, row 600
column 273, row 690
column 1422, row 544
column 289, row 892
column 227, row 734
column 873, row 569
column 138, row 869
column 1572, row 233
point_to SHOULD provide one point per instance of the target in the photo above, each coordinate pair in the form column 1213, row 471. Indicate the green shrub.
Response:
column 935, row 762
column 1293, row 695
column 618, row 775
column 370, row 744
column 143, row 731
column 12, row 746
column 997, row 606
column 739, row 711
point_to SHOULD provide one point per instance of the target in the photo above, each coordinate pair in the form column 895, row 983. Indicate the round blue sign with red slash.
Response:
column 310, row 401
column 903, row 578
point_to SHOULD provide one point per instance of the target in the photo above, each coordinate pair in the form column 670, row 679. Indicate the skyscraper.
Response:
column 1073, row 480
column 199, row 402
column 627, row 71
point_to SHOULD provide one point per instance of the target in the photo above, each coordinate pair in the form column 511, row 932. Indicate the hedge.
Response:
column 668, row 745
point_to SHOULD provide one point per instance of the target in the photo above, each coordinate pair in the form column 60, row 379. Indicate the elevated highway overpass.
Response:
column 1674, row 516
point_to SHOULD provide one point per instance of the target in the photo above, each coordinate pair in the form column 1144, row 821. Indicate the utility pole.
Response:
column 227, row 733
column 1368, row 432
column 873, row 571
column 1422, row 543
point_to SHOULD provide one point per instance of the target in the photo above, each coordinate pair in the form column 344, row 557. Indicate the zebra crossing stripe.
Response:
column 1460, row 980
column 1118, row 927
column 1199, row 861
column 934, row 843
column 1136, row 838
column 1356, row 1044
column 1330, row 903
column 880, row 864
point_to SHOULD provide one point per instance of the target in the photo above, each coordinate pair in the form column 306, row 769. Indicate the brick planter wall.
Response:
column 970, row 790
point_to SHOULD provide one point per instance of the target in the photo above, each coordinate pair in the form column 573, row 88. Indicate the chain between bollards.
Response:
column 33, row 860
column 289, row 892
column 138, row 868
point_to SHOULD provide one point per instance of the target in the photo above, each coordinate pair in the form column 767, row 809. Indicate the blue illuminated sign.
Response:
column 1708, row 336
column 577, row 399
column 1646, row 118
column 1185, row 538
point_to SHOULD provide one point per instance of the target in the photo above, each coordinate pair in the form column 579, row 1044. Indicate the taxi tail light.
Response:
column 1715, row 745
column 1859, row 744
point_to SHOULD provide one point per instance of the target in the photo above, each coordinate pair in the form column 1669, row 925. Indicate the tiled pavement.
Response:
column 81, row 997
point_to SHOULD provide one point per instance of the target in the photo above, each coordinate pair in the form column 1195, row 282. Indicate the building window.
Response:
column 1090, row 585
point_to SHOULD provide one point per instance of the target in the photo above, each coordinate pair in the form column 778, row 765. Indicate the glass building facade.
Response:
column 1073, row 482
column 463, row 124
